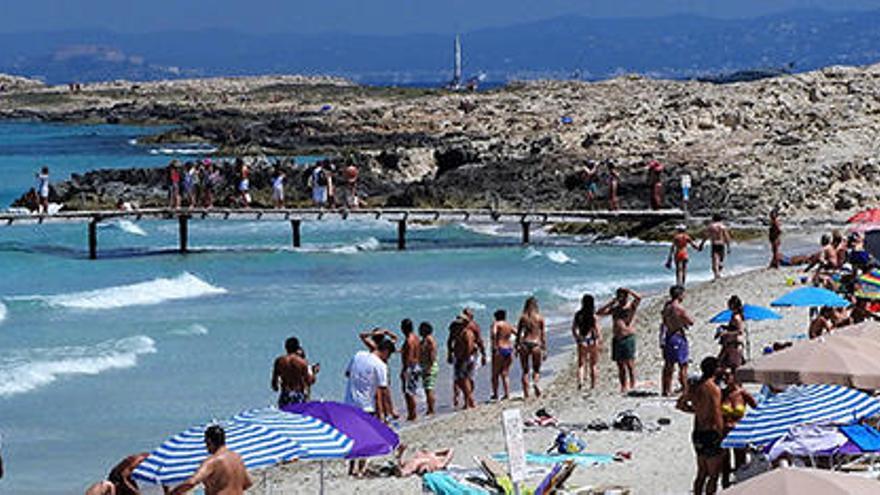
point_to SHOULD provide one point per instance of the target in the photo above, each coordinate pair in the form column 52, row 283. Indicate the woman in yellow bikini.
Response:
column 734, row 402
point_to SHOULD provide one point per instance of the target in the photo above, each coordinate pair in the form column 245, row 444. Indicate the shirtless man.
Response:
column 839, row 245
column 825, row 264
column 429, row 364
column 775, row 237
column 422, row 462
column 292, row 376
column 222, row 473
column 623, row 344
column 703, row 399
column 501, row 336
column 719, row 238
column 676, row 321
column 410, row 371
column 590, row 175
column 462, row 349
column 119, row 481
column 822, row 324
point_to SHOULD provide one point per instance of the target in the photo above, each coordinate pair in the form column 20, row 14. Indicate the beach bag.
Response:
column 568, row 443
column 628, row 421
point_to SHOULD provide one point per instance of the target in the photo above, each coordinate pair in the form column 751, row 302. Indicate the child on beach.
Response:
column 501, row 336
column 429, row 364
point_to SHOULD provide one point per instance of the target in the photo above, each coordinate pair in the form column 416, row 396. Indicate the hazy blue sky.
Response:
column 365, row 16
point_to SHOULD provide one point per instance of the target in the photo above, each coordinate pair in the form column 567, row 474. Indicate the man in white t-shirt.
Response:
column 367, row 374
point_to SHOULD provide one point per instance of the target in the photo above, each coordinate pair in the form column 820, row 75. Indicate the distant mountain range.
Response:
column 676, row 47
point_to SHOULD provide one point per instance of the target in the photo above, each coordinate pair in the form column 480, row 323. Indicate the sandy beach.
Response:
column 662, row 460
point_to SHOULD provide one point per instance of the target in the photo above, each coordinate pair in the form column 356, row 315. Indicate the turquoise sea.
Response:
column 100, row 359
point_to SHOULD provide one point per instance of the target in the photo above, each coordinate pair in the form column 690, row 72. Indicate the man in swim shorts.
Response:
column 719, row 237
column 292, row 376
column 410, row 371
column 676, row 321
column 703, row 399
column 623, row 344
column 429, row 364
column 222, row 473
column 462, row 348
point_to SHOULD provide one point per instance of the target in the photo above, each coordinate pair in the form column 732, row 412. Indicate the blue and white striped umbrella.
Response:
column 180, row 456
column 800, row 404
column 318, row 439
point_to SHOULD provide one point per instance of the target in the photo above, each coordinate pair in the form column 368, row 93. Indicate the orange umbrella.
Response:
column 800, row 481
column 833, row 360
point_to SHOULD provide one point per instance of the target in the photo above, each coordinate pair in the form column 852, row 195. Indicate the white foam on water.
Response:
column 2, row 312
column 472, row 304
column 369, row 244
column 182, row 151
column 126, row 226
column 194, row 330
column 558, row 256
column 631, row 241
column 184, row 286
column 489, row 229
column 27, row 370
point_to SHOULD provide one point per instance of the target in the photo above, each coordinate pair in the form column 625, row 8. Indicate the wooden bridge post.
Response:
column 401, row 235
column 526, row 234
column 183, row 233
column 295, row 227
column 93, row 239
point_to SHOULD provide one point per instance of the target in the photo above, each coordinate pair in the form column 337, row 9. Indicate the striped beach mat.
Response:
column 179, row 457
column 319, row 440
column 797, row 405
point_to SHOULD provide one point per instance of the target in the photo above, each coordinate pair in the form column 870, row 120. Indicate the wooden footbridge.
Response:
column 296, row 216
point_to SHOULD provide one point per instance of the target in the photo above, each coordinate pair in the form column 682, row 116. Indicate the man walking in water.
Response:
column 674, row 342
column 410, row 371
column 292, row 376
column 719, row 237
column 222, row 473
column 703, row 399
column 623, row 344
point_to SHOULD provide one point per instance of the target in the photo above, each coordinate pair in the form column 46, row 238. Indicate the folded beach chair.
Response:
column 556, row 478
column 441, row 483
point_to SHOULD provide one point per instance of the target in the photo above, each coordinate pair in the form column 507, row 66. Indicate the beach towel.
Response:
column 443, row 484
column 581, row 459
column 864, row 436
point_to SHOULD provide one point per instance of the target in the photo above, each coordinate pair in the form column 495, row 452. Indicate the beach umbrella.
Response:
column 811, row 297
column 319, row 440
column 866, row 216
column 871, row 278
column 750, row 313
column 370, row 436
column 797, row 405
column 802, row 481
column 835, row 359
column 179, row 457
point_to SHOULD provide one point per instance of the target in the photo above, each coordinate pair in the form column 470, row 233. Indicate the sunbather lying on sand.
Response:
column 423, row 461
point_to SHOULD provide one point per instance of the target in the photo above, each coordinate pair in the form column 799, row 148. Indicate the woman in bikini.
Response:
column 501, row 335
column 731, row 338
column 734, row 402
column 531, row 343
column 679, row 253
column 588, row 337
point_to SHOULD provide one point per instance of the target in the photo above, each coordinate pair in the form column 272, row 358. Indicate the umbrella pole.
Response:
column 322, row 477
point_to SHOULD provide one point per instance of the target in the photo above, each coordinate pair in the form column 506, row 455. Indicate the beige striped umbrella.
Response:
column 800, row 481
column 834, row 360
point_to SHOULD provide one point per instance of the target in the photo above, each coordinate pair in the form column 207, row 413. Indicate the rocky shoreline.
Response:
column 804, row 142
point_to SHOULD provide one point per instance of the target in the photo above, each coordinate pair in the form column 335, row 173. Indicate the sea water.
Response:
column 100, row 359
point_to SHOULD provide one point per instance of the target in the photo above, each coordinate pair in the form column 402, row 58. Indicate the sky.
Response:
column 362, row 16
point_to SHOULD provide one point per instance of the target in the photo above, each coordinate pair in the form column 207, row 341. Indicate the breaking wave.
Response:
column 156, row 291
column 27, row 370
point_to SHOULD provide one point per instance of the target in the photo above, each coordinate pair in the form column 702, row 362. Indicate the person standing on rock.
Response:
column 613, row 186
column 350, row 175
column 173, row 185
column 210, row 180
column 775, row 237
column 318, row 184
column 190, row 178
column 244, row 183
column 655, row 184
column 278, row 187
column 590, row 175
column 43, row 190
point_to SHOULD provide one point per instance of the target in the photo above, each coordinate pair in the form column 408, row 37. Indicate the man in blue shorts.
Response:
column 674, row 342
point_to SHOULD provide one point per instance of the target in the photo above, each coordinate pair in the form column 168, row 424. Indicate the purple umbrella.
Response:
column 371, row 436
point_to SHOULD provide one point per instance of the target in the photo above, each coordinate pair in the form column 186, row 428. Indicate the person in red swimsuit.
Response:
column 679, row 253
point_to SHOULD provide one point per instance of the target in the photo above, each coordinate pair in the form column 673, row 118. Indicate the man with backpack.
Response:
column 319, row 182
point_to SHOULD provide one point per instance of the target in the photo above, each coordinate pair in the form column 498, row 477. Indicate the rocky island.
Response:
column 804, row 142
